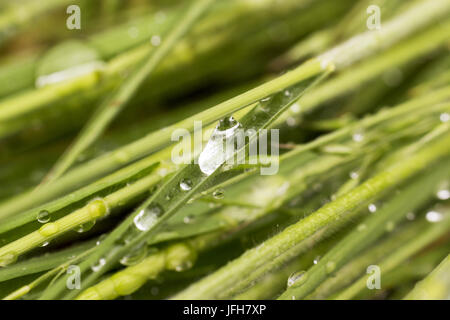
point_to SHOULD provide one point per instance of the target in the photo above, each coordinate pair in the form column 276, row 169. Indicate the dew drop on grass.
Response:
column 185, row 265
column 43, row 216
column 96, row 267
column 216, row 151
column 354, row 175
column 372, row 208
column 443, row 193
column 8, row 258
column 444, row 117
column 434, row 216
column 317, row 259
column 296, row 278
column 186, row 184
column 219, row 193
column 188, row 219
column 147, row 217
column 44, row 244
column 135, row 256
column 358, row 136
column 85, row 226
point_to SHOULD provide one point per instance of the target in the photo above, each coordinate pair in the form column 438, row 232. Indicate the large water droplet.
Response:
column 148, row 217
column 296, row 278
column 43, row 216
column 372, row 208
column 186, row 184
column 218, row 149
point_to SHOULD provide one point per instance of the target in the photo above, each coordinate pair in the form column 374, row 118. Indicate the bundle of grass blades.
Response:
column 205, row 149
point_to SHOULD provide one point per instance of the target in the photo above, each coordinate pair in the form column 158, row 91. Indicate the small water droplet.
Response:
column 44, row 244
column 43, row 216
column 148, row 217
column 317, row 259
column 296, row 278
column 8, row 258
column 291, row 121
column 85, row 226
column 219, row 193
column 434, row 216
column 354, row 175
column 188, row 219
column 444, row 117
column 372, row 208
column 358, row 136
column 185, row 265
column 186, row 184
column 287, row 93
column 96, row 267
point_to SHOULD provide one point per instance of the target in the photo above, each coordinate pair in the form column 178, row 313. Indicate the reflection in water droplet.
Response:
column 434, row 216
column 43, row 216
column 220, row 146
column 296, row 278
column 148, row 217
column 186, row 184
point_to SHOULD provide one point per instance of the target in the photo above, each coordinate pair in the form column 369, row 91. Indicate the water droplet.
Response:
column 219, row 193
column 8, row 258
column 330, row 267
column 185, row 265
column 372, row 208
column 354, row 175
column 444, row 117
column 186, row 184
column 296, row 278
column 85, row 226
column 96, row 267
column 218, row 149
column 317, row 259
column 155, row 40
column 44, row 244
column 434, row 216
column 43, row 216
column 358, row 136
column 266, row 99
column 296, row 108
column 188, row 219
column 443, row 194
column 135, row 256
column 148, row 217
column 287, row 93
